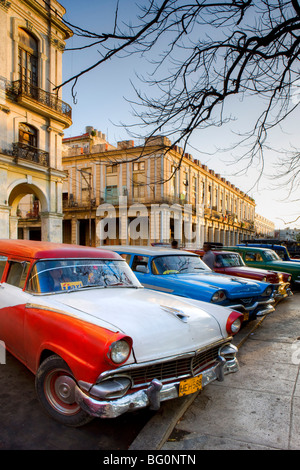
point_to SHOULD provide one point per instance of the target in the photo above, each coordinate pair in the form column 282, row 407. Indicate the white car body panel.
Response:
column 157, row 332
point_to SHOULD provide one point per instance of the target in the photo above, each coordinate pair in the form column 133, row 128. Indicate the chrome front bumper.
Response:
column 265, row 311
column 152, row 396
column 283, row 292
column 258, row 309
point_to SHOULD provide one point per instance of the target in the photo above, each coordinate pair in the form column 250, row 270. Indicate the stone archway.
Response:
column 51, row 222
column 17, row 193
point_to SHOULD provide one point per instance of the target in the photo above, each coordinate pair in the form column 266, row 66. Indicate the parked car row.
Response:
column 231, row 263
column 115, row 329
column 291, row 254
column 266, row 258
column 184, row 274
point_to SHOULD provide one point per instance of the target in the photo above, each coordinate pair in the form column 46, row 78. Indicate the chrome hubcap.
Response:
column 64, row 388
column 60, row 392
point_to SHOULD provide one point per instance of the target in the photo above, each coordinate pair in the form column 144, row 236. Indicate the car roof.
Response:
column 148, row 250
column 216, row 252
column 42, row 249
column 221, row 252
column 243, row 248
column 263, row 245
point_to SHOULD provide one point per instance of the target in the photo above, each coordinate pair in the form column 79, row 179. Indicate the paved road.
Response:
column 25, row 426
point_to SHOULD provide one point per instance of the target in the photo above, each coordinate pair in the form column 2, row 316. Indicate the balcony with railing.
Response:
column 33, row 97
column 32, row 154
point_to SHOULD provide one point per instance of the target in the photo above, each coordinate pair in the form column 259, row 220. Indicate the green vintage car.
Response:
column 265, row 258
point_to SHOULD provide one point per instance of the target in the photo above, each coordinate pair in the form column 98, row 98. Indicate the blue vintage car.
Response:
column 184, row 274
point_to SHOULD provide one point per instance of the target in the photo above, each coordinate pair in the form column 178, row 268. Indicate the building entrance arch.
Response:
column 47, row 221
column 20, row 191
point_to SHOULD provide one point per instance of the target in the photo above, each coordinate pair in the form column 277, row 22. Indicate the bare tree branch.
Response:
column 210, row 52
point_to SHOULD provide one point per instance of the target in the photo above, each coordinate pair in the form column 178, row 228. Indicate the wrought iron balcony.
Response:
column 23, row 88
column 30, row 153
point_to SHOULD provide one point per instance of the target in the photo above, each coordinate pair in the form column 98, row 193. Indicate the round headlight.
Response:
column 268, row 291
column 218, row 296
column 234, row 322
column 119, row 351
column 236, row 326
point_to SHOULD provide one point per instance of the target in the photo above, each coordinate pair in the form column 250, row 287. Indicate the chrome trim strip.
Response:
column 253, row 306
column 159, row 288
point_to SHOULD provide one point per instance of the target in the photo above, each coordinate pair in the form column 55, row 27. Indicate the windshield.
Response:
column 228, row 259
column 65, row 275
column 270, row 255
column 177, row 264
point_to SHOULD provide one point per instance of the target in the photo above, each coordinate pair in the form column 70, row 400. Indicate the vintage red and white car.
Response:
column 100, row 344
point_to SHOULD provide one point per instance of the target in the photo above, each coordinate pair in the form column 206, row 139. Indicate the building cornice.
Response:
column 5, row 5
column 59, row 24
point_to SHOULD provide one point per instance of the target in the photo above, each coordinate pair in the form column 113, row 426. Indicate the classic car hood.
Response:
column 248, row 270
column 234, row 286
column 284, row 266
column 160, row 325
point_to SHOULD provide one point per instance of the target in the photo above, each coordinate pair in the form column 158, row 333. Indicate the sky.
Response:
column 102, row 101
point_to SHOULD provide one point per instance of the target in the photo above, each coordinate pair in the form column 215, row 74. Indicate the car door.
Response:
column 219, row 265
column 145, row 271
column 250, row 258
column 13, row 300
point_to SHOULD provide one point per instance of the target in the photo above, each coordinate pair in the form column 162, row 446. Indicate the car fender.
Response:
column 82, row 345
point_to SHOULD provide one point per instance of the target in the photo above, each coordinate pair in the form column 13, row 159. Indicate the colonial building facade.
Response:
column 32, row 116
column 264, row 227
column 146, row 194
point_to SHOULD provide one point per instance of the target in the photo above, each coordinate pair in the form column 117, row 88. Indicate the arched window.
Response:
column 28, row 58
column 27, row 135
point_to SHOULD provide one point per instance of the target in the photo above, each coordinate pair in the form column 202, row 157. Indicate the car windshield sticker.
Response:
column 71, row 285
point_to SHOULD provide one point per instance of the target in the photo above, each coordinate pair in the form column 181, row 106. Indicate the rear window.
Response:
column 17, row 273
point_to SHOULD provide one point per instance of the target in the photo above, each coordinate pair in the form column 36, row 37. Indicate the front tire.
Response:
column 54, row 384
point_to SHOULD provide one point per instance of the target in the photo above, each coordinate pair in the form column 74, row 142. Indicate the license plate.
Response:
column 188, row 386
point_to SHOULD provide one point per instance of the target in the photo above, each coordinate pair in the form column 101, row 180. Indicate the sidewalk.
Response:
column 256, row 408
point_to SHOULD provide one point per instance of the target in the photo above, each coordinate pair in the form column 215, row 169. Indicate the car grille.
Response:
column 175, row 369
column 247, row 301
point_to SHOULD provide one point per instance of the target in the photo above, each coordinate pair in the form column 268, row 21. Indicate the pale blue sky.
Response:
column 101, row 103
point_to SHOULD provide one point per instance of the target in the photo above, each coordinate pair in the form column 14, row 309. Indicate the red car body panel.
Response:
column 68, row 334
column 84, row 347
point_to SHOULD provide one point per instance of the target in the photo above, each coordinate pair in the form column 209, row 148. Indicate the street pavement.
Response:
column 257, row 408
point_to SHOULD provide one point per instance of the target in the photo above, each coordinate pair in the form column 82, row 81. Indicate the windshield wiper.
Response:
column 121, row 284
column 193, row 269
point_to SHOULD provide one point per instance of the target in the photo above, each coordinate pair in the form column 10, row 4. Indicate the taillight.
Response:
column 234, row 323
